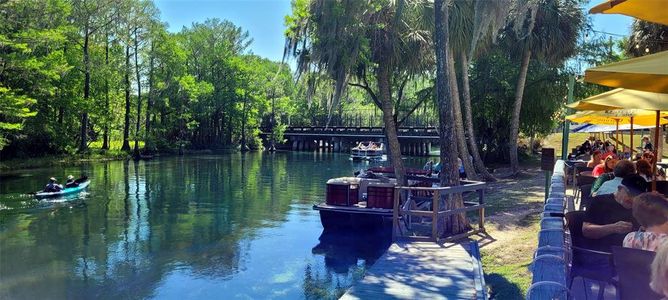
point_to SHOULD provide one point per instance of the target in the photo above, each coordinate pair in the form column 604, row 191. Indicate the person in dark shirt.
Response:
column 647, row 145
column 52, row 186
column 609, row 217
column 70, row 183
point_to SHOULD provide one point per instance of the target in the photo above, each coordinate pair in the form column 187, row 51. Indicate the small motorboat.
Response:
column 63, row 192
column 367, row 151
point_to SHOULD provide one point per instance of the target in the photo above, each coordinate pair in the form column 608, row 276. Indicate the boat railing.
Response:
column 405, row 208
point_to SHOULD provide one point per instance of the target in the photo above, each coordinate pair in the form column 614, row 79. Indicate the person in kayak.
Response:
column 71, row 182
column 52, row 186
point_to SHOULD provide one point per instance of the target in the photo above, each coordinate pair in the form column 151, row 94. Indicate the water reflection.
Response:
column 182, row 227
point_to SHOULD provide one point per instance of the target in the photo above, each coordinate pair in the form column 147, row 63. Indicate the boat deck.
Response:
column 423, row 270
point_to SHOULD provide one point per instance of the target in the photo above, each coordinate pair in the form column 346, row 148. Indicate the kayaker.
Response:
column 71, row 182
column 52, row 186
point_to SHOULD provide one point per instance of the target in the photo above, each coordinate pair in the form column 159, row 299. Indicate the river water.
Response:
column 233, row 226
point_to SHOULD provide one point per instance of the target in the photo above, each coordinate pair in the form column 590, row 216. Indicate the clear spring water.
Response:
column 233, row 226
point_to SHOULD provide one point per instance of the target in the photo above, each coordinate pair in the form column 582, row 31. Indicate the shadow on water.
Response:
column 343, row 250
column 346, row 257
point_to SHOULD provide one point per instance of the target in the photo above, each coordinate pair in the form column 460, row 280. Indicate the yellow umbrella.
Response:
column 623, row 99
column 620, row 117
column 584, row 105
column 648, row 73
column 648, row 10
column 617, row 117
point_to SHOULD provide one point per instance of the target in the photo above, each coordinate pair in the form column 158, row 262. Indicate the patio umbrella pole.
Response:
column 631, row 141
column 617, row 135
column 656, row 149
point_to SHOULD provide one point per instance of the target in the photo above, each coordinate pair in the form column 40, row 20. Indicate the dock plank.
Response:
column 422, row 270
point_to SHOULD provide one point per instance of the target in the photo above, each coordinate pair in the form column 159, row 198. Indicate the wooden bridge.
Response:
column 414, row 140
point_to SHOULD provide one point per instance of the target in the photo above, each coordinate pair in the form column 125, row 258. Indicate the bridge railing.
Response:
column 321, row 130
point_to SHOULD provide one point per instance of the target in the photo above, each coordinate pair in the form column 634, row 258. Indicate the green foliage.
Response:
column 60, row 59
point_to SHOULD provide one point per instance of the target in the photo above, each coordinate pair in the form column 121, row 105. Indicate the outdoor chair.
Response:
column 551, row 237
column 549, row 267
column 634, row 273
column 579, row 168
column 587, row 263
column 547, row 290
column 552, row 223
column 662, row 187
column 583, row 179
column 585, row 196
column 586, row 173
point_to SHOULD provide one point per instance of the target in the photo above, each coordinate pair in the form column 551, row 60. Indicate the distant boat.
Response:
column 368, row 151
column 63, row 192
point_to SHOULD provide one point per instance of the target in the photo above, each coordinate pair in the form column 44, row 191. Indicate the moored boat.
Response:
column 367, row 151
column 63, row 192
column 358, row 204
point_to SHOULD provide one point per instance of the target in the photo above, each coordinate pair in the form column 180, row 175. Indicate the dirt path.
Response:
column 513, row 212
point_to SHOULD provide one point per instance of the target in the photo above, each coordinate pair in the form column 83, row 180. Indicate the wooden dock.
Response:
column 423, row 270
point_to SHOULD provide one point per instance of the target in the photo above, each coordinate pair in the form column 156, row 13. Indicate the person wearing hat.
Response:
column 609, row 217
column 70, row 183
column 52, row 186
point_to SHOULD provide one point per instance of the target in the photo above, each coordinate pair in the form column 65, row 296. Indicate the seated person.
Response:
column 647, row 145
column 651, row 212
column 609, row 217
column 52, row 186
column 627, row 153
column 644, row 169
column 659, row 281
column 600, row 180
column 605, row 167
column 595, row 159
column 623, row 169
column 70, row 183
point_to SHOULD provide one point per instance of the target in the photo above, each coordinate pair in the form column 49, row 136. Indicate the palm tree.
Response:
column 548, row 30
column 647, row 38
column 444, row 97
column 357, row 42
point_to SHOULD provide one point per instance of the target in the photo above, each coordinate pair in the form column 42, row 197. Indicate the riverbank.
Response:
column 94, row 154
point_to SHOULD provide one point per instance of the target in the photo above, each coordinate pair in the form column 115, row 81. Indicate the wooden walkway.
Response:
column 423, row 270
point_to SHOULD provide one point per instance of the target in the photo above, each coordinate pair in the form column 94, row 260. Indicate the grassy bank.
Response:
column 513, row 212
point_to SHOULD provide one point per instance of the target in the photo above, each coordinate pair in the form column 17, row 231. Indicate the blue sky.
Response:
column 264, row 19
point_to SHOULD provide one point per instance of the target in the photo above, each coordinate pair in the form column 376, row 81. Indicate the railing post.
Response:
column 481, row 202
column 434, row 221
column 395, row 214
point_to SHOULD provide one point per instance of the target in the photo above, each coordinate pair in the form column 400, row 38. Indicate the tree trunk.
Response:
column 84, row 116
column 149, row 100
column 468, row 118
column 136, row 149
column 517, row 108
column 244, row 148
column 449, row 175
column 105, row 134
column 126, row 128
column 459, row 123
column 385, row 93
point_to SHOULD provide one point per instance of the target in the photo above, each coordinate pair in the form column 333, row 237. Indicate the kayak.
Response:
column 66, row 191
